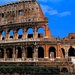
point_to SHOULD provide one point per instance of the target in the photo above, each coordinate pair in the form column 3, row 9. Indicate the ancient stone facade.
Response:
column 17, row 44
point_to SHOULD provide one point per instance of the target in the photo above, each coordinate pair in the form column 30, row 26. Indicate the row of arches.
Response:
column 29, row 52
column 71, row 51
column 20, row 32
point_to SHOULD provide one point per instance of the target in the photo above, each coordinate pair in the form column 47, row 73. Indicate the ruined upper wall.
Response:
column 21, row 11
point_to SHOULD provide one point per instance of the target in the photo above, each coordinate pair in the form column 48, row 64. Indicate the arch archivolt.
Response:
column 15, row 34
column 64, row 69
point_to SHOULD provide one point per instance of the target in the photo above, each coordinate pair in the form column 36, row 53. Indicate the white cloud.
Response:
column 64, row 13
column 49, row 10
column 53, row 12
column 46, row 8
column 53, row 1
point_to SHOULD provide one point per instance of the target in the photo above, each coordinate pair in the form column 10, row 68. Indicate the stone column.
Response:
column 13, row 55
column 24, row 33
column 5, row 54
column 66, row 51
column 16, row 56
column 46, row 52
column 6, row 35
column 35, row 54
column 35, row 35
column 23, row 53
column 15, row 34
column 58, row 54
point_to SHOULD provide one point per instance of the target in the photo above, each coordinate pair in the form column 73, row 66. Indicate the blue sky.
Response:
column 61, row 15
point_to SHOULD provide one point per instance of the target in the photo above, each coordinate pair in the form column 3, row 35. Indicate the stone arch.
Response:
column 29, row 52
column 63, row 51
column 71, row 51
column 9, row 52
column 11, row 33
column 19, row 52
column 40, row 32
column 3, row 34
column 40, row 52
column 1, row 52
column 64, row 70
column 20, row 33
column 52, row 52
column 30, row 32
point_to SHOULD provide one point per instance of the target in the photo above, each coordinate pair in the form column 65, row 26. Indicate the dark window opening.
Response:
column 30, row 35
column 64, row 70
column 40, row 35
column 20, row 36
column 11, row 36
column 52, row 52
column 40, row 52
column 40, row 32
column 3, row 35
column 19, row 53
column 20, row 12
column 3, row 38
column 2, row 15
column 30, row 20
column 20, row 33
column 1, row 53
column 11, row 33
column 9, row 53
column 71, row 51
column 29, row 52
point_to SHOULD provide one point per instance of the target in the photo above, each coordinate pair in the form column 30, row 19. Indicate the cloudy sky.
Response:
column 61, row 15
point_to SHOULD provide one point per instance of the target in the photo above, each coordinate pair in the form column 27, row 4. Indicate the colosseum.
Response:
column 33, row 48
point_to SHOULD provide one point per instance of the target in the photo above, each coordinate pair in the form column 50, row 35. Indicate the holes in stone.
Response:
column 40, row 52
column 52, row 52
column 2, row 15
column 20, row 12
column 71, row 51
column 3, row 35
column 64, row 70
column 29, row 52
column 30, row 33
column 20, row 33
column 40, row 32
column 9, row 52
column 11, row 33
column 1, row 53
column 19, row 53
column 29, row 20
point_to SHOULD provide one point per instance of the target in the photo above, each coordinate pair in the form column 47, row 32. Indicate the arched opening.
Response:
column 40, row 32
column 52, row 52
column 3, row 35
column 64, row 70
column 20, row 33
column 19, row 52
column 71, row 51
column 30, row 33
column 1, row 53
column 29, row 52
column 11, row 33
column 9, row 52
column 63, row 52
column 40, row 52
